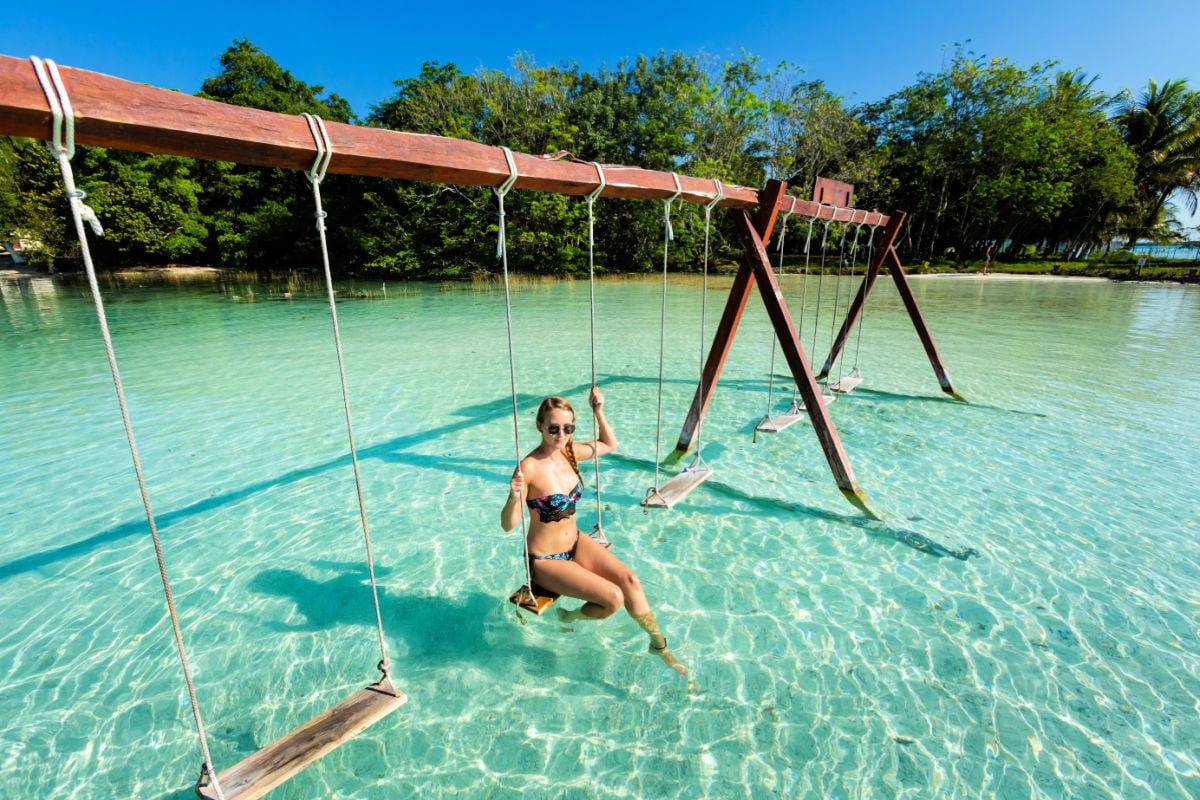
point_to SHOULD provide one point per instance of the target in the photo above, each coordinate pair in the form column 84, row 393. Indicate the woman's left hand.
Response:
column 596, row 400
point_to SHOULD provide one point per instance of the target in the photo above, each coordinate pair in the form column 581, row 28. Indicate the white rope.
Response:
column 837, row 295
column 774, row 336
column 862, row 311
column 60, row 109
column 668, row 237
column 324, row 155
column 717, row 198
column 591, row 201
column 501, row 191
column 502, row 254
column 804, row 298
column 821, row 275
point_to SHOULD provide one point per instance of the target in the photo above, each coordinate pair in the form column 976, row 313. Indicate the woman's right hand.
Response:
column 510, row 515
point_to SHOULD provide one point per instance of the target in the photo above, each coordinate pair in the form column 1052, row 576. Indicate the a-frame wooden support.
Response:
column 756, row 266
column 887, row 252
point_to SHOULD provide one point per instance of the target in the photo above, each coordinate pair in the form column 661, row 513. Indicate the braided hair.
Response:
column 550, row 404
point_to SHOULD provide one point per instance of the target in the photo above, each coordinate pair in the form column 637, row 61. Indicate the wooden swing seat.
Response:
column 781, row 422
column 678, row 487
column 542, row 598
column 536, row 601
column 281, row 760
column 846, row 384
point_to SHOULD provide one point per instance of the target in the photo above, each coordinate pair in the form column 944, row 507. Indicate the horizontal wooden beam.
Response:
column 111, row 112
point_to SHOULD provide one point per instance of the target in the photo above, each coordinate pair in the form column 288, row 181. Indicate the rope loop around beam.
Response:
column 783, row 225
column 501, row 191
column 667, row 207
column 316, row 126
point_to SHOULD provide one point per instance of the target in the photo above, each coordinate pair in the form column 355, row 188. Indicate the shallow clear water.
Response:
column 831, row 658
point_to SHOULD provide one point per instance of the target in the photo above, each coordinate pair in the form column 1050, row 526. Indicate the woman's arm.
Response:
column 606, row 440
column 510, row 515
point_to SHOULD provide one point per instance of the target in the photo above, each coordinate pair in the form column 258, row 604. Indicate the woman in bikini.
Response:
column 561, row 559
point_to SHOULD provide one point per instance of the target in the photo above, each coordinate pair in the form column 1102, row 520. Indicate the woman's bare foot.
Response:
column 567, row 616
column 663, row 652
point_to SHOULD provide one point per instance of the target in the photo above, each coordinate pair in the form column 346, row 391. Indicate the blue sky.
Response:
column 863, row 51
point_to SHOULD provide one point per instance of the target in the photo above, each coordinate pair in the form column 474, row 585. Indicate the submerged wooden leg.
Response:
column 918, row 320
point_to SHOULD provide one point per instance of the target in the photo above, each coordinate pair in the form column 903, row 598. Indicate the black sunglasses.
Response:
column 553, row 429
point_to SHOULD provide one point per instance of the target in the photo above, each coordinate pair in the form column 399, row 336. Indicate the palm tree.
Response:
column 1162, row 128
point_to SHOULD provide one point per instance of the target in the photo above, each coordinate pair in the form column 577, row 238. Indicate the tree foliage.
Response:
column 1161, row 127
column 987, row 151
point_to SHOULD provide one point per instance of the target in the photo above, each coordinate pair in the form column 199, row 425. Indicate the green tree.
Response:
column 149, row 205
column 443, row 230
column 815, row 135
column 34, row 205
column 1162, row 128
column 263, row 218
column 251, row 78
column 987, row 150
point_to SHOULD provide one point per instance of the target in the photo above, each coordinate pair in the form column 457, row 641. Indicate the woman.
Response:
column 560, row 558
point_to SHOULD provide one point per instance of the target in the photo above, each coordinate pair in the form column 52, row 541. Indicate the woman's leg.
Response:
column 595, row 558
column 602, row 598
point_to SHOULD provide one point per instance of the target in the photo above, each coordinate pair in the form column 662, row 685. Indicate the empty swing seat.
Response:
column 770, row 424
column 678, row 487
column 846, row 384
column 255, row 776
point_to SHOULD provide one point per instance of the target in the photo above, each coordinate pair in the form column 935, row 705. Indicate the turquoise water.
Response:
column 831, row 657
column 1180, row 251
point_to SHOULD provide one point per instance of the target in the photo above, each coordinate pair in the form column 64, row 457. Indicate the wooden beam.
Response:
column 888, row 240
column 772, row 296
column 735, row 304
column 111, row 112
column 914, row 313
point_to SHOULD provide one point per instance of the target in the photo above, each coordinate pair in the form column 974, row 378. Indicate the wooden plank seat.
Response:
column 678, row 487
column 537, row 600
column 769, row 424
column 254, row 776
column 846, row 384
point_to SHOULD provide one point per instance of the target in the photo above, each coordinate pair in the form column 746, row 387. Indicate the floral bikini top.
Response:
column 555, row 507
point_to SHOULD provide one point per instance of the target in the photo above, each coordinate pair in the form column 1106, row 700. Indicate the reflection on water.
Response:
column 833, row 656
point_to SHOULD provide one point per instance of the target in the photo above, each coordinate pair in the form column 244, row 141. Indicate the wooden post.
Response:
column 890, row 233
column 772, row 296
column 735, row 304
column 914, row 313
column 755, row 265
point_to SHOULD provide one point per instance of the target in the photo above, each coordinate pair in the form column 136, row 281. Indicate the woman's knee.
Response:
column 631, row 585
column 610, row 600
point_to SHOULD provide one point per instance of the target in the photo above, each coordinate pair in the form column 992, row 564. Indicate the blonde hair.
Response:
column 554, row 403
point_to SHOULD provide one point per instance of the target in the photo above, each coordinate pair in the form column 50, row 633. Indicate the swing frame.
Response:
column 116, row 113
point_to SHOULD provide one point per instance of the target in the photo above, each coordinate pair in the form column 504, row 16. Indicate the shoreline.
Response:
column 1012, row 276
column 180, row 273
